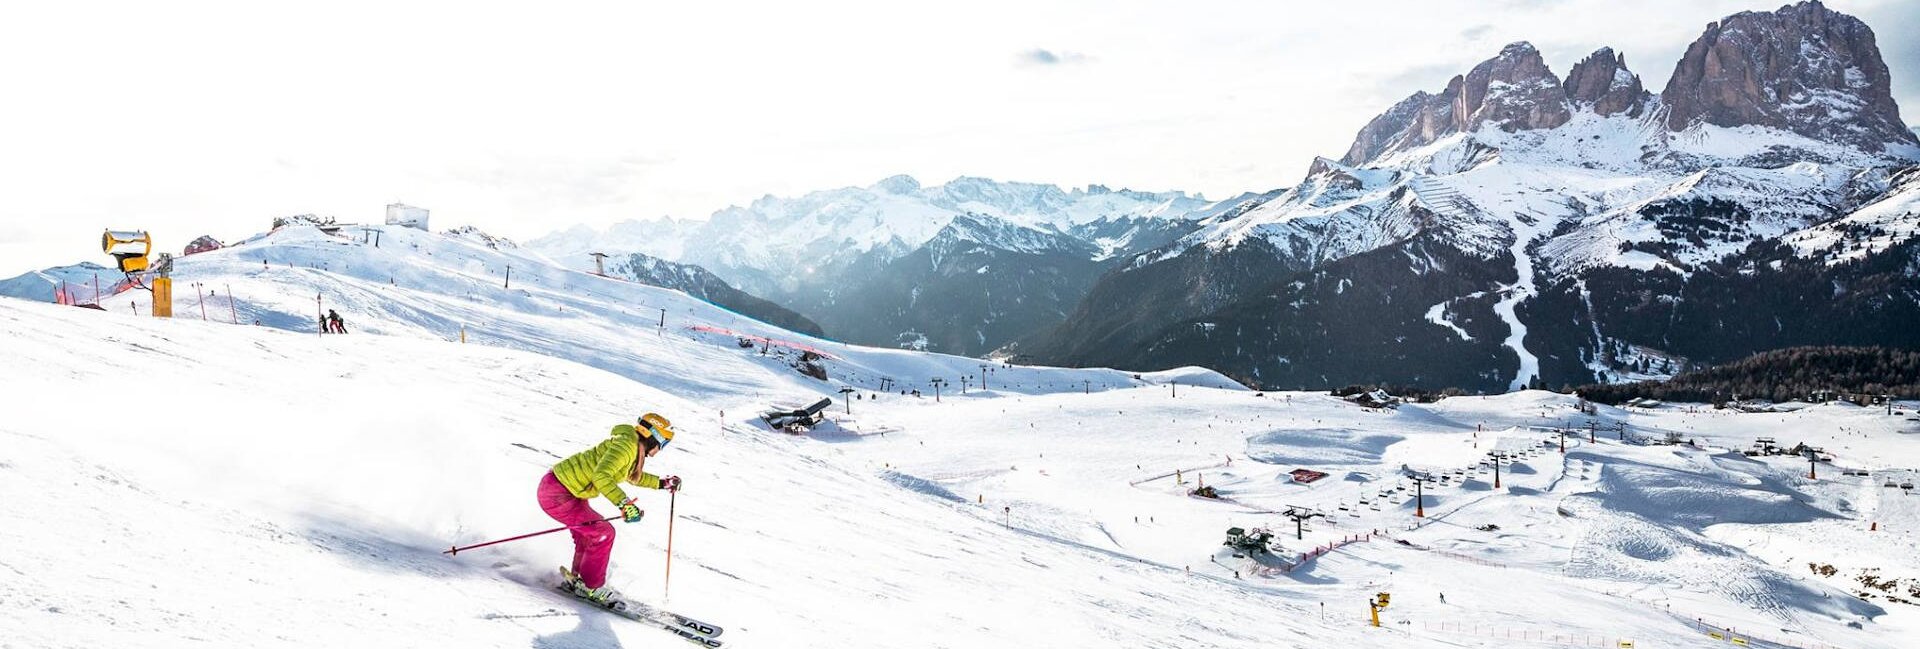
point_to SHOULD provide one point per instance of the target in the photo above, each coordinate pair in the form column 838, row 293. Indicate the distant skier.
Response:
column 598, row 471
column 335, row 323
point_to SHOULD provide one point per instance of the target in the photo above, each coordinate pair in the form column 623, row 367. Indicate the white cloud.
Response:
column 1046, row 57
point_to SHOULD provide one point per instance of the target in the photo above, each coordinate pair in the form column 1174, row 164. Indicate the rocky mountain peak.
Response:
column 1602, row 83
column 1512, row 91
column 899, row 185
column 1803, row 68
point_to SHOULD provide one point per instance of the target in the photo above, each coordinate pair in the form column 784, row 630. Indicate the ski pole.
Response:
column 456, row 551
column 667, row 582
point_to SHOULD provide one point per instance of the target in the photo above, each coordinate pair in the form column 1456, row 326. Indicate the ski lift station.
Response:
column 407, row 215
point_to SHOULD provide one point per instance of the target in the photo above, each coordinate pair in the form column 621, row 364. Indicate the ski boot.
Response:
column 605, row 595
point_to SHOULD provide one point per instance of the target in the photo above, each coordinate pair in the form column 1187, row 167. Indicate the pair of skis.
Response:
column 689, row 629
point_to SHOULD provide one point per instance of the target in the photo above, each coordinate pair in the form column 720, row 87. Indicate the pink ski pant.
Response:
column 592, row 543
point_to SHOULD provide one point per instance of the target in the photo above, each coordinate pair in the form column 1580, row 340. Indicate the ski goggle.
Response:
column 658, row 439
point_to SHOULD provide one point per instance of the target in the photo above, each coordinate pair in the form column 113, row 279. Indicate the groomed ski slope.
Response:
column 170, row 483
column 177, row 483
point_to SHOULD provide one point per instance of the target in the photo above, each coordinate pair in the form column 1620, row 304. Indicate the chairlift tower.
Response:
column 1497, row 457
column 1420, row 480
column 1300, row 515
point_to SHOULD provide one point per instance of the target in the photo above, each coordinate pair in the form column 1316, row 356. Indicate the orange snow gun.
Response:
column 129, row 247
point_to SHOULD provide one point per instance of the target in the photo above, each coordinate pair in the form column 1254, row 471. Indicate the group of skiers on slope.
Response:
column 332, row 324
column 566, row 490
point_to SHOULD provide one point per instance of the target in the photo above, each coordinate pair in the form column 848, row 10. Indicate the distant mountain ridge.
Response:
column 697, row 282
column 841, row 256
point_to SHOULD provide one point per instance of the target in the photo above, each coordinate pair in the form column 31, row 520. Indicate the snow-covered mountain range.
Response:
column 1015, row 257
column 1561, row 218
column 1512, row 228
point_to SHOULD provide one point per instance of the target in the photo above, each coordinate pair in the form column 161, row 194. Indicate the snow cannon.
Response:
column 129, row 247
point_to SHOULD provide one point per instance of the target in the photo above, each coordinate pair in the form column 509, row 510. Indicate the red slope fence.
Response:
column 1568, row 638
column 1324, row 549
column 761, row 339
column 89, row 293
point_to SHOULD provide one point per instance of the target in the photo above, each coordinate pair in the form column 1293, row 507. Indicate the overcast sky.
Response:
column 524, row 118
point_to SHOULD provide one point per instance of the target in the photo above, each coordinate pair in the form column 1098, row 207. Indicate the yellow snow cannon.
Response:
column 129, row 247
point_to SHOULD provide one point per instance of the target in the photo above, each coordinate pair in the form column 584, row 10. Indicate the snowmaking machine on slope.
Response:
column 130, row 248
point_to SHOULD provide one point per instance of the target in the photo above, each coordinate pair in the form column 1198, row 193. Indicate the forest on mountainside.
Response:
column 1795, row 373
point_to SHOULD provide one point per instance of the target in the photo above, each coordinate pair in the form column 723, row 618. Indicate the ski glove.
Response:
column 670, row 483
column 629, row 512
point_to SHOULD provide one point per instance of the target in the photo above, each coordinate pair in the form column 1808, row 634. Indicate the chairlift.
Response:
column 1907, row 486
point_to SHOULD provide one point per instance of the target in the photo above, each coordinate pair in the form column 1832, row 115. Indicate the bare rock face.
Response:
column 1804, row 69
column 1512, row 91
column 1602, row 83
column 203, row 244
column 1388, row 129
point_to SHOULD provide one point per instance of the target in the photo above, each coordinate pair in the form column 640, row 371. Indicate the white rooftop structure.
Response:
column 407, row 215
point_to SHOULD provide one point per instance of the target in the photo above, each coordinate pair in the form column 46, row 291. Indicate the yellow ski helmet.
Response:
column 657, row 427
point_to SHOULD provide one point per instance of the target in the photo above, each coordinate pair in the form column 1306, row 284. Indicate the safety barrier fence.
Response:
column 1734, row 636
column 89, row 293
column 1567, row 638
column 760, row 339
column 1321, row 550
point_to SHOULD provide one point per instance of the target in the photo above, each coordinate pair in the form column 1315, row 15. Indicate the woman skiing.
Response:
column 598, row 471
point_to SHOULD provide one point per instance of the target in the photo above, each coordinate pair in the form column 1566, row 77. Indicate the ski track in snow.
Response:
column 1520, row 290
column 1437, row 315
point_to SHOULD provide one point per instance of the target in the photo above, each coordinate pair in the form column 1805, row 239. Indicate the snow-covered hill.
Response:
column 269, row 486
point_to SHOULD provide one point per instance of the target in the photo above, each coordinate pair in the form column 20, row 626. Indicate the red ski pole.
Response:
column 456, row 551
column 667, row 582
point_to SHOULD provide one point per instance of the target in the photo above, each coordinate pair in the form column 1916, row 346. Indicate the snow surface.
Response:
column 1890, row 221
column 1437, row 315
column 268, row 486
